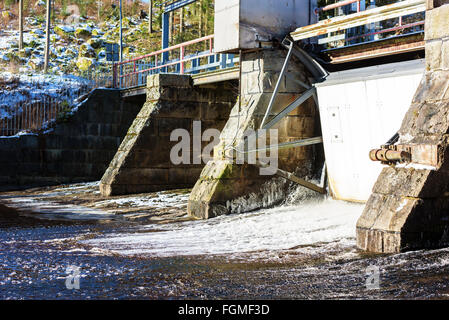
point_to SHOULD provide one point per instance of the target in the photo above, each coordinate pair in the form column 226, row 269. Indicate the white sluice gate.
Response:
column 361, row 109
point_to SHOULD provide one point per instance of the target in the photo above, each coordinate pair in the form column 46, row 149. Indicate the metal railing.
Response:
column 364, row 25
column 36, row 114
column 189, row 57
column 336, row 5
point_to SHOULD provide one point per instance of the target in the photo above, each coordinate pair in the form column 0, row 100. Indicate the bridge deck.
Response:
column 374, row 32
column 198, row 80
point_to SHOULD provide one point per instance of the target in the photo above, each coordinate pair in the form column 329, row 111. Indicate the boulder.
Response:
column 64, row 31
column 84, row 63
column 83, row 33
column 87, row 51
column 95, row 43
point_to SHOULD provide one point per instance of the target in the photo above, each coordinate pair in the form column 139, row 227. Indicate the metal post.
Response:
column 223, row 61
column 165, row 35
column 121, row 34
column 278, row 84
column 181, row 59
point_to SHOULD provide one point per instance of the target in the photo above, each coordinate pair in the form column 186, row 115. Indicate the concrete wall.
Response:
column 409, row 206
column 142, row 162
column 78, row 149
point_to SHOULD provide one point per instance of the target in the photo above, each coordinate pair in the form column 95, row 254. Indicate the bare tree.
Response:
column 150, row 17
column 20, row 24
column 47, row 38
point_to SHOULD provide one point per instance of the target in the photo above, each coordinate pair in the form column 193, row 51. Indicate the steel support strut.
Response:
column 293, row 178
column 319, row 74
column 278, row 84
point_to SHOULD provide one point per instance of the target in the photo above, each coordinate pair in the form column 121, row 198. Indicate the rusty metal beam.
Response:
column 370, row 53
column 290, row 176
column 390, row 11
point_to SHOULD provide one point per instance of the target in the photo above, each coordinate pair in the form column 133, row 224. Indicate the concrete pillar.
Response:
column 142, row 162
column 409, row 206
column 226, row 187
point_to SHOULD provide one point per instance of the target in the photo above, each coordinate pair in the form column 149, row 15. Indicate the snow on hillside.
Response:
column 75, row 48
column 16, row 89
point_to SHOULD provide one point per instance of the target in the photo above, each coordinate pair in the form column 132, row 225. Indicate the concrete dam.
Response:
column 348, row 100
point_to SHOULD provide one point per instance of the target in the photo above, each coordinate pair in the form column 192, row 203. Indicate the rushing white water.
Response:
column 281, row 228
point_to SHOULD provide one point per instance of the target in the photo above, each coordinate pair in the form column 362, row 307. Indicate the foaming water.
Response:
column 281, row 228
column 302, row 251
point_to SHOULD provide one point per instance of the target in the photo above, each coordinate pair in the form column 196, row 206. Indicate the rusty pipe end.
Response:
column 388, row 155
column 373, row 154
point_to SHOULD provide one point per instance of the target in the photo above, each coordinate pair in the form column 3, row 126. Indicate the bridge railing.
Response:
column 356, row 24
column 190, row 57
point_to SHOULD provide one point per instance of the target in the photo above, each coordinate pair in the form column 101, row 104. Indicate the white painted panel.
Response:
column 369, row 113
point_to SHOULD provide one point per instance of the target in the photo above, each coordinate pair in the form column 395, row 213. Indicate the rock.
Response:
column 7, row 15
column 87, row 51
column 64, row 31
column 34, row 44
column 25, row 53
column 126, row 51
column 69, row 52
column 95, row 43
column 101, row 54
column 83, row 33
column 84, row 63
column 36, row 63
column 96, row 32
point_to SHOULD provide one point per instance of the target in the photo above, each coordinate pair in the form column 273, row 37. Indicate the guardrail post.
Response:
column 223, row 61
column 181, row 59
column 194, row 65
column 211, row 61
column 231, row 59
column 165, row 34
column 114, row 75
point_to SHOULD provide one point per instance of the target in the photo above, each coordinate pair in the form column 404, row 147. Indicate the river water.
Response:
column 304, row 250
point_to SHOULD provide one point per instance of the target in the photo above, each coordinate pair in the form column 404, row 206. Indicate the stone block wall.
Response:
column 142, row 162
column 78, row 149
column 226, row 187
column 409, row 206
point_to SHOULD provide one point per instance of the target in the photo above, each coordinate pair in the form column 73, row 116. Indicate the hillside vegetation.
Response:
column 80, row 28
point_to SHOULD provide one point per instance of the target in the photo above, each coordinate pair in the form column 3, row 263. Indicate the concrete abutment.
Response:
column 142, row 162
column 225, row 187
column 409, row 206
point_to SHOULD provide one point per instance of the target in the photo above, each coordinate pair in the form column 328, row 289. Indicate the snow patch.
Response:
column 415, row 166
